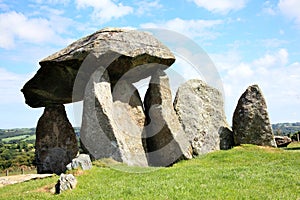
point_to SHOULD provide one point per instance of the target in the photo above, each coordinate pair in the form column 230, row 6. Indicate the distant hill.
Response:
column 286, row 128
column 22, row 134
column 15, row 134
column 8, row 133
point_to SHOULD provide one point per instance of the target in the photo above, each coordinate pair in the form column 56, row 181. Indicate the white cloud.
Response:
column 243, row 71
column 191, row 28
column 10, row 86
column 278, row 79
column 105, row 10
column 145, row 7
column 221, row 6
column 16, row 26
column 269, row 8
column 226, row 60
column 274, row 42
column 291, row 9
column 276, row 59
column 3, row 6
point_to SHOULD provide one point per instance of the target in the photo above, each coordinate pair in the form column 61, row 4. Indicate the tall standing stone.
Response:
column 200, row 109
column 251, row 124
column 165, row 139
column 113, row 121
column 56, row 144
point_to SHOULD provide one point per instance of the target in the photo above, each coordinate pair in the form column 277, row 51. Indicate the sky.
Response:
column 249, row 41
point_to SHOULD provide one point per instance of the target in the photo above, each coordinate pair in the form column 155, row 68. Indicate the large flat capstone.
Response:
column 118, row 50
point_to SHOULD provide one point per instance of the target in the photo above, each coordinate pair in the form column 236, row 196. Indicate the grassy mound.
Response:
column 245, row 172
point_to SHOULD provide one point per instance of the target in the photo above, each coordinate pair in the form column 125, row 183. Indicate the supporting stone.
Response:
column 56, row 144
column 113, row 121
column 165, row 138
column 200, row 109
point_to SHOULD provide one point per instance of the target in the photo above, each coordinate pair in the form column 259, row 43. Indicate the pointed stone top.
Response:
column 253, row 94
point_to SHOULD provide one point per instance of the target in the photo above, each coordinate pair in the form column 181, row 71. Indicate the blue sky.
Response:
column 250, row 42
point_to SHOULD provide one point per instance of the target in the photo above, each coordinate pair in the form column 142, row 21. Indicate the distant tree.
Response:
column 278, row 132
column 6, row 155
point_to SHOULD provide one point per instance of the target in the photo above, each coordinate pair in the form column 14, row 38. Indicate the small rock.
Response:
column 65, row 182
column 83, row 161
column 282, row 141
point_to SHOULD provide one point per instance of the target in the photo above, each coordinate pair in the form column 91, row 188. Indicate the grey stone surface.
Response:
column 200, row 109
column 120, row 50
column 113, row 121
column 82, row 161
column 251, row 123
column 165, row 139
column 65, row 182
column 56, row 143
column 226, row 138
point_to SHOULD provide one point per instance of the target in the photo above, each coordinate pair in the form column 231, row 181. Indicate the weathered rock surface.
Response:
column 282, row 141
column 165, row 138
column 82, row 161
column 200, row 109
column 226, row 138
column 251, row 124
column 119, row 50
column 113, row 122
column 65, row 182
column 56, row 143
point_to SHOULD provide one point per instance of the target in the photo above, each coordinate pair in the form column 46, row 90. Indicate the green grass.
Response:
column 20, row 137
column 295, row 146
column 245, row 172
column 31, row 137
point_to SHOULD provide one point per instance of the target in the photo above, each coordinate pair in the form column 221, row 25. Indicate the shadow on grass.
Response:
column 292, row 148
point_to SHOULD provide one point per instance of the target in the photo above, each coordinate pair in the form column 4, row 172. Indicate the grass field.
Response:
column 245, row 172
column 20, row 137
column 31, row 137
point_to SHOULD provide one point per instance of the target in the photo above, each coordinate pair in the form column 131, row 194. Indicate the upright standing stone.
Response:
column 251, row 124
column 200, row 109
column 56, row 143
column 113, row 122
column 166, row 141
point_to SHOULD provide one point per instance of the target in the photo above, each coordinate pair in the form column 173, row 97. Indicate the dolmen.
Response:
column 101, row 70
